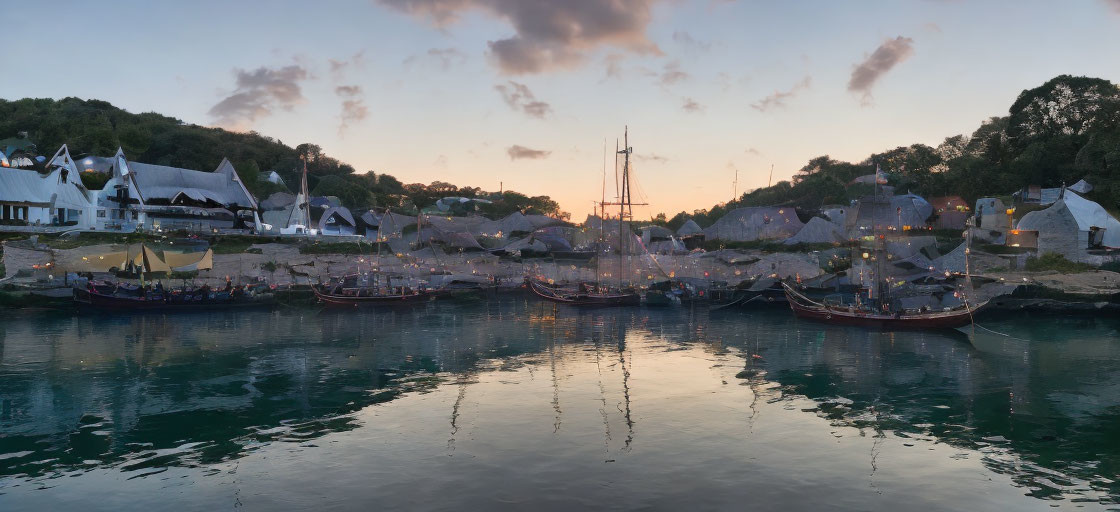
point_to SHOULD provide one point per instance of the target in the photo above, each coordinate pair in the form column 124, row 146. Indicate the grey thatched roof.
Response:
column 162, row 182
column 690, row 228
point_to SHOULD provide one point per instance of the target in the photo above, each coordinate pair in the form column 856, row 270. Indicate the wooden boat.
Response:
column 599, row 294
column 107, row 296
column 338, row 296
column 584, row 296
column 807, row 308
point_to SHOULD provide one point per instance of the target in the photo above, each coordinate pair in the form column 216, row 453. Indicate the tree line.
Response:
column 95, row 127
column 1063, row 131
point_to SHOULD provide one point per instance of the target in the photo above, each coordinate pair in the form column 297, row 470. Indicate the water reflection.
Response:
column 144, row 393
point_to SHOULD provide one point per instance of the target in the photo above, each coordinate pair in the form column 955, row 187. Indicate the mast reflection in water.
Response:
column 519, row 403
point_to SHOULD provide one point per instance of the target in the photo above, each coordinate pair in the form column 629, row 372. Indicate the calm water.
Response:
column 522, row 405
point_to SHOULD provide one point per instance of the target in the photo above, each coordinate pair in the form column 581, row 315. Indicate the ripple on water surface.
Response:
column 518, row 403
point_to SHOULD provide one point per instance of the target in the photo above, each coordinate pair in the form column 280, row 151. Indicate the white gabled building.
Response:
column 55, row 199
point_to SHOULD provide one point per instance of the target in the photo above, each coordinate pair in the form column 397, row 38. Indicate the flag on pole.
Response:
column 880, row 176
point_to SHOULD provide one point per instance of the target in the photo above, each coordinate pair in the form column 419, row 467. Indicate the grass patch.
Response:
column 1057, row 262
column 233, row 244
column 343, row 248
column 85, row 238
column 1000, row 249
column 1112, row 266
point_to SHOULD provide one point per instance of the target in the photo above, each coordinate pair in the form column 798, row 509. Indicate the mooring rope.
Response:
column 999, row 333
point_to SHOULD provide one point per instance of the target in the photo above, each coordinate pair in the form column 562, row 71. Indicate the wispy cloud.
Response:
column 651, row 157
column 672, row 74
column 613, row 63
column 779, row 98
column 753, row 151
column 883, row 59
column 1114, row 4
column 549, row 34
column 686, row 40
column 690, row 105
column 258, row 94
column 444, row 57
column 338, row 67
column 517, row 152
column 519, row 97
column 354, row 108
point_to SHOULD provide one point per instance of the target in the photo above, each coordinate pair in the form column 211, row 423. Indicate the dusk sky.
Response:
column 524, row 92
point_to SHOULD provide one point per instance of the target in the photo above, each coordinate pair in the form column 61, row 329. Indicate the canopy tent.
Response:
column 337, row 220
column 991, row 214
column 544, row 221
column 278, row 201
column 460, row 240
column 689, row 228
column 817, row 231
column 755, row 223
column 1071, row 225
column 836, row 214
column 515, row 222
column 656, row 232
column 554, row 238
column 874, row 213
column 189, row 261
column 135, row 255
column 444, row 223
column 1081, row 187
column 525, row 244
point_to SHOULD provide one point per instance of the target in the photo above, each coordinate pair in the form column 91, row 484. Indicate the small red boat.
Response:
column 585, row 297
column 807, row 308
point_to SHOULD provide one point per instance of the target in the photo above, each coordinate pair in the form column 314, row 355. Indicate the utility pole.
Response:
column 771, row 178
column 735, row 186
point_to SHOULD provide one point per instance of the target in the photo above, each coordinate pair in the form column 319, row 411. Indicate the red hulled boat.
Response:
column 807, row 308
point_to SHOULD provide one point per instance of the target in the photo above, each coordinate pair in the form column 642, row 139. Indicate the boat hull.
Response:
column 585, row 299
column 99, row 301
column 348, row 301
column 923, row 321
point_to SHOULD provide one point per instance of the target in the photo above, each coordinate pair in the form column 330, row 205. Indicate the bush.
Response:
column 1052, row 261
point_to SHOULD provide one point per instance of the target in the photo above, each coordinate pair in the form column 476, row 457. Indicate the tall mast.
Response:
column 623, row 200
column 602, row 222
column 306, row 198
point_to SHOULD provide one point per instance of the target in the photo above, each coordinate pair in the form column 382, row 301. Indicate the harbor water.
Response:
column 518, row 404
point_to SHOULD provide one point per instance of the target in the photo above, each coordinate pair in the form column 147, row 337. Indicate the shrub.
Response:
column 1057, row 262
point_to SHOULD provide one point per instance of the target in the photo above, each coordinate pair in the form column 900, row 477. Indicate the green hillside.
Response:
column 1060, row 132
column 98, row 128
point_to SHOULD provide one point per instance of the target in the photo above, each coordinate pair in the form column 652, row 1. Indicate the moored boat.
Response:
column 358, row 291
column 584, row 295
column 123, row 297
column 852, row 315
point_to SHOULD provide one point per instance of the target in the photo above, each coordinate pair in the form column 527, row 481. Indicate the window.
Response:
column 101, row 214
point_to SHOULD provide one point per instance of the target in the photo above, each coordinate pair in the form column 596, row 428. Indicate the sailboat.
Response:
column 600, row 293
column 874, row 305
column 372, row 288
